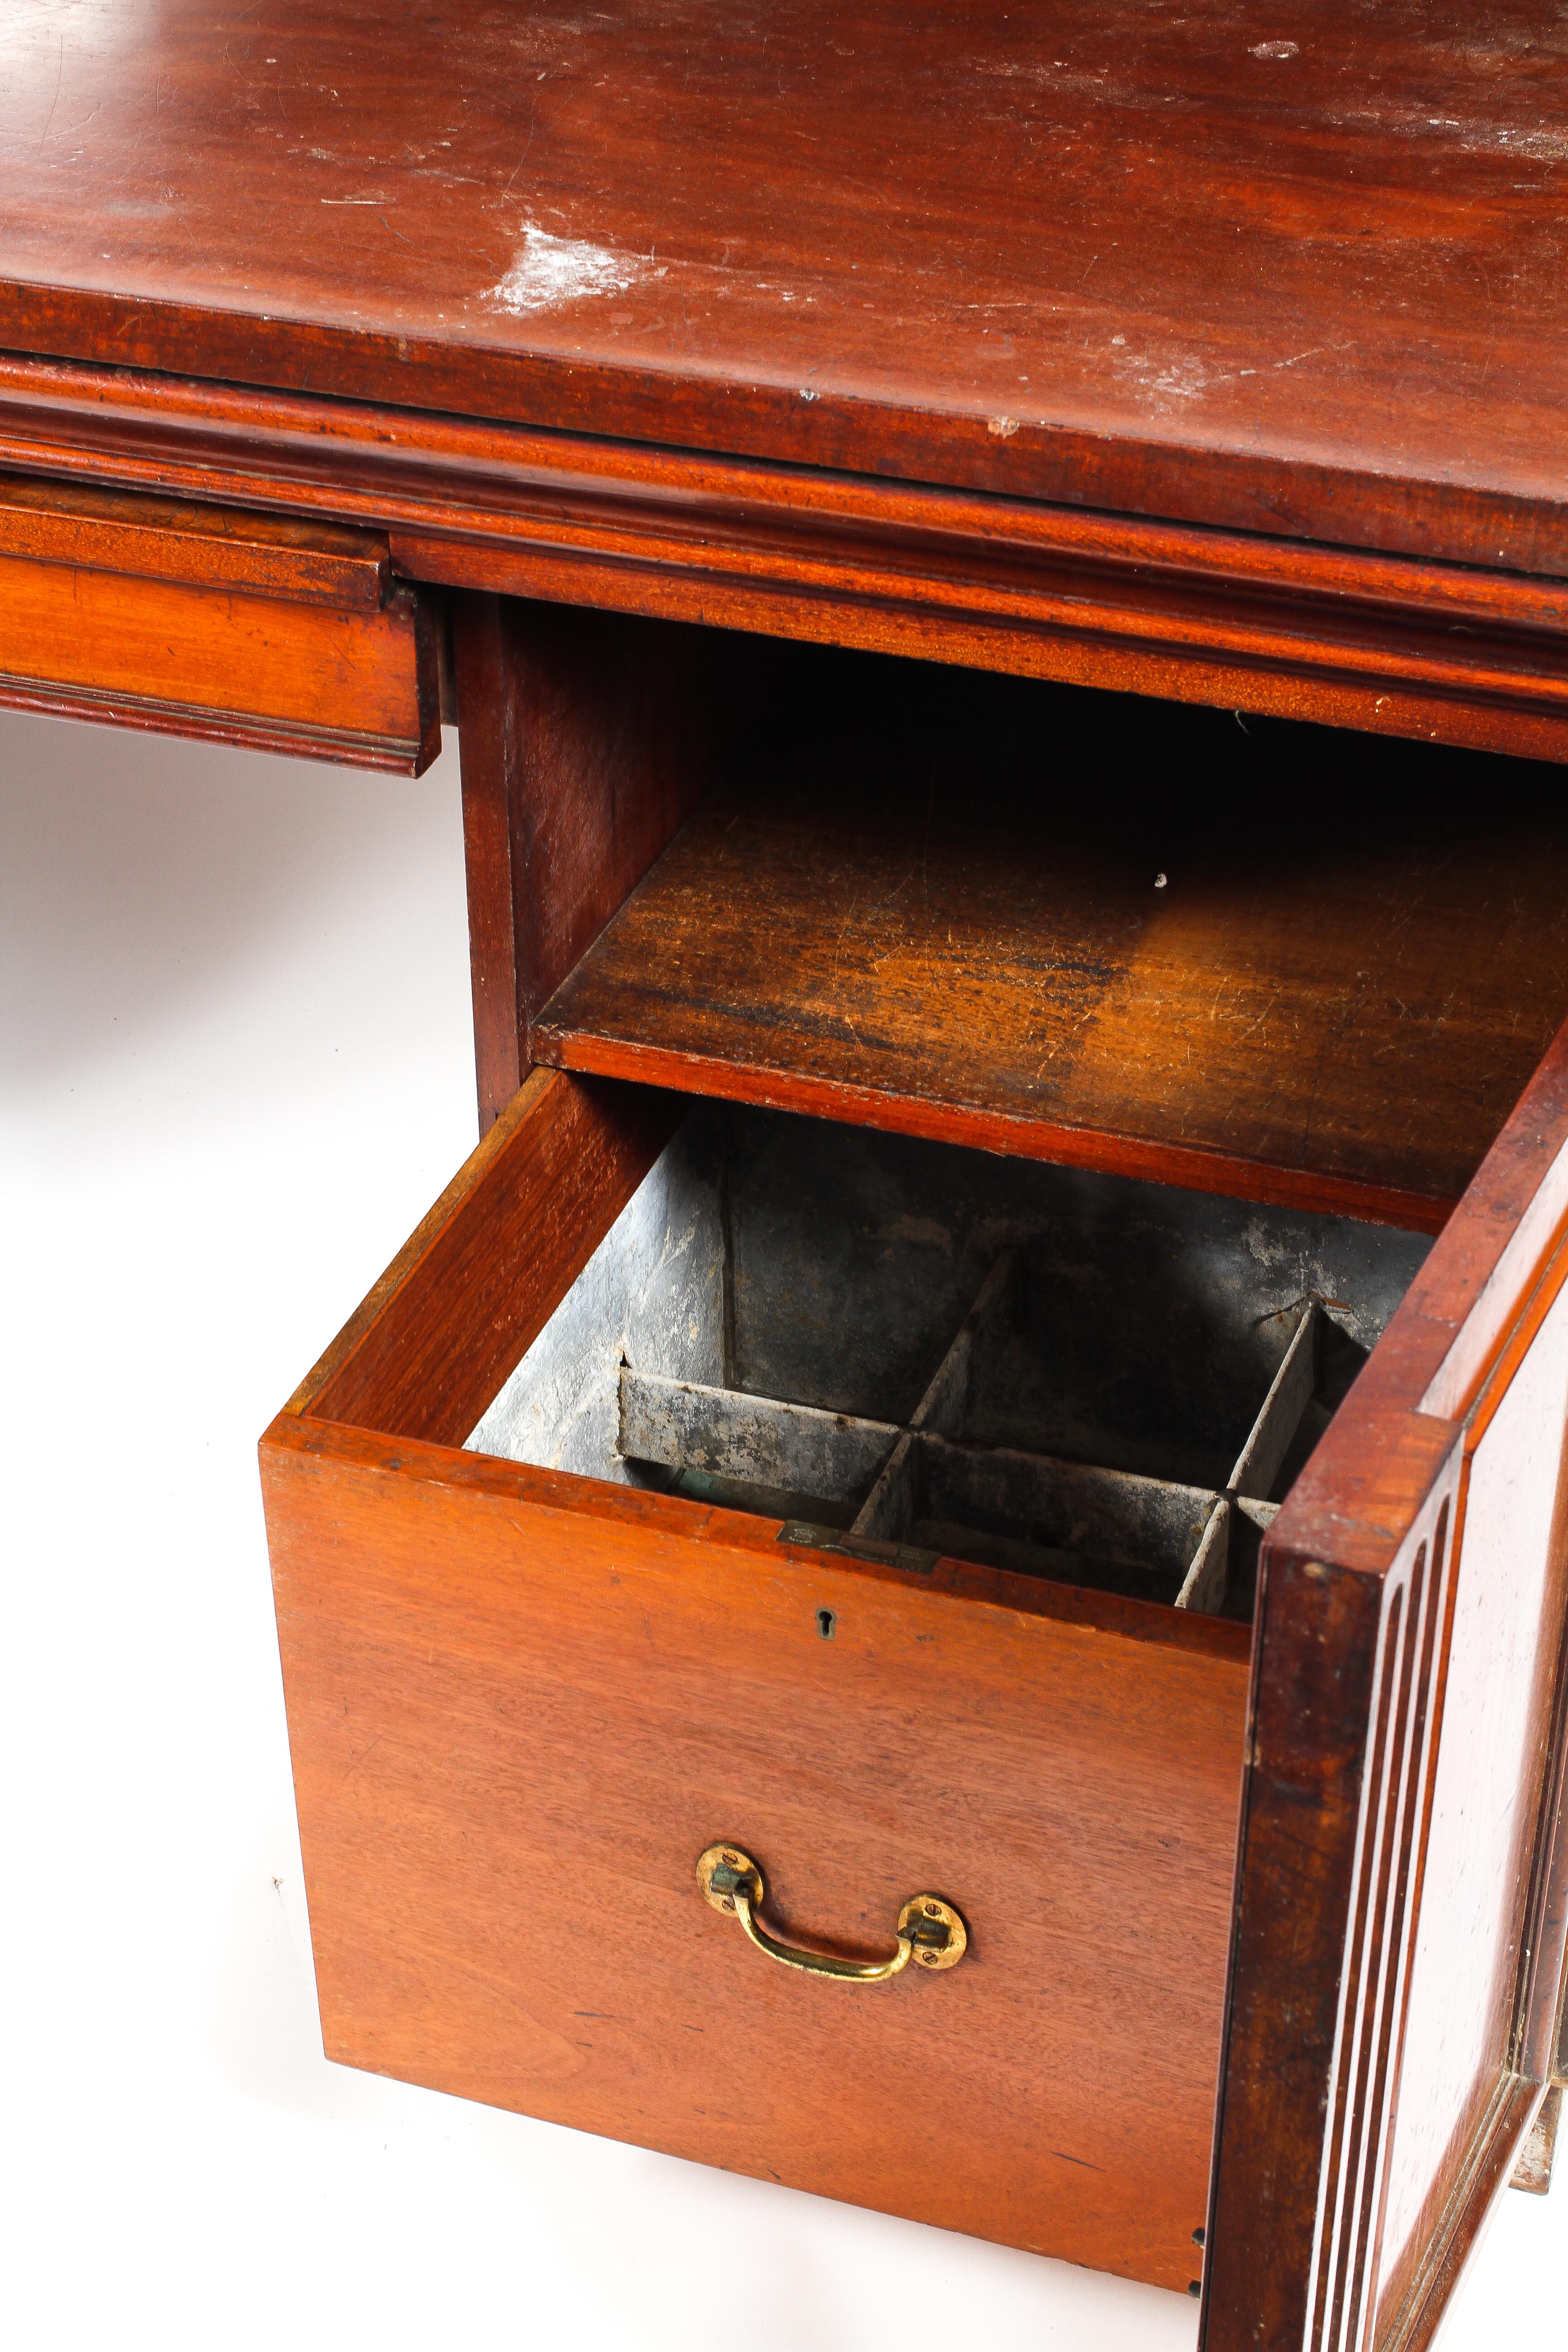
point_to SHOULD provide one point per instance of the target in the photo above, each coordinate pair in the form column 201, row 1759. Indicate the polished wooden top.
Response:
column 1296, row 272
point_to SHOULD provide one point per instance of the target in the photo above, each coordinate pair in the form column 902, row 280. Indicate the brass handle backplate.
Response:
column 929, row 1931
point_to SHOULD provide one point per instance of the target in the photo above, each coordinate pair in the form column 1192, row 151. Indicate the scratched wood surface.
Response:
column 1300, row 278
column 932, row 903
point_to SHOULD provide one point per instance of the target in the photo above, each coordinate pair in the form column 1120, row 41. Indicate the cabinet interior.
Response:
column 915, row 1348
column 1267, row 956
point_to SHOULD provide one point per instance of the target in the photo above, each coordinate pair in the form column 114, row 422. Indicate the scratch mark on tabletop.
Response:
column 1252, row 1026
column 59, row 77
column 532, row 125
column 359, row 1759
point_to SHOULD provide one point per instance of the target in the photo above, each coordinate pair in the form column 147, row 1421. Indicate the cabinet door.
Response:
column 1398, row 1942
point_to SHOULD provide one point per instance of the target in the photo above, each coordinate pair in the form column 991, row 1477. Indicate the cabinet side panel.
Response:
column 1460, row 2037
column 587, row 740
column 1353, row 2174
column 1342, row 1731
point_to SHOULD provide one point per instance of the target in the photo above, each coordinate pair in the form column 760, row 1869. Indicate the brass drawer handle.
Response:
column 929, row 1929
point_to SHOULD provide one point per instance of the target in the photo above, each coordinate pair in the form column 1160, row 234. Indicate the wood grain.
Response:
column 515, row 1693
column 931, row 904
column 487, row 758
column 304, row 560
column 587, row 740
column 1154, row 264
column 305, row 677
column 1293, row 655
column 521, row 1705
column 1257, row 622
column 1482, row 1285
column 491, row 1668
column 477, row 1282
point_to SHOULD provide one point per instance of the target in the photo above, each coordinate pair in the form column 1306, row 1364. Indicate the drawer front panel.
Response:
column 519, row 1708
column 1397, row 1962
column 122, row 609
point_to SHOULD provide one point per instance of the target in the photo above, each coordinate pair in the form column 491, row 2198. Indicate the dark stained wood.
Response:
column 1308, row 1756
column 306, row 560
column 520, row 1704
column 1164, row 263
column 1180, row 355
column 1458, row 1323
column 1246, row 621
column 1396, row 1969
column 932, row 905
column 1300, row 653
column 473, row 1287
column 587, row 740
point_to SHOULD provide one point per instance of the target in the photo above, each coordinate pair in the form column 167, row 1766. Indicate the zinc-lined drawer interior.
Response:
column 875, row 1341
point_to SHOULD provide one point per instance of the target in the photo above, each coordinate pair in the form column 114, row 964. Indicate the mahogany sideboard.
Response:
column 986, row 1420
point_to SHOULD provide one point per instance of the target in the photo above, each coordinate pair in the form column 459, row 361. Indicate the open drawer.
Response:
column 879, row 1521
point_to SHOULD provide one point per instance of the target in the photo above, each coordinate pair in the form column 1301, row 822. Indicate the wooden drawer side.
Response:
column 1397, row 1959
column 481, row 1276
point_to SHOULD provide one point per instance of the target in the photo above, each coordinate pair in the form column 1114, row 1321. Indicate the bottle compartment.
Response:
column 913, row 1350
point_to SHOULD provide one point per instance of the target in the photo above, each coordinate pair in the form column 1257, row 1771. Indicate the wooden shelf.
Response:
column 934, row 907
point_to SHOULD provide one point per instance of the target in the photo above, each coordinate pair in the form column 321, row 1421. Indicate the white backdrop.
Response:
column 235, row 1058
